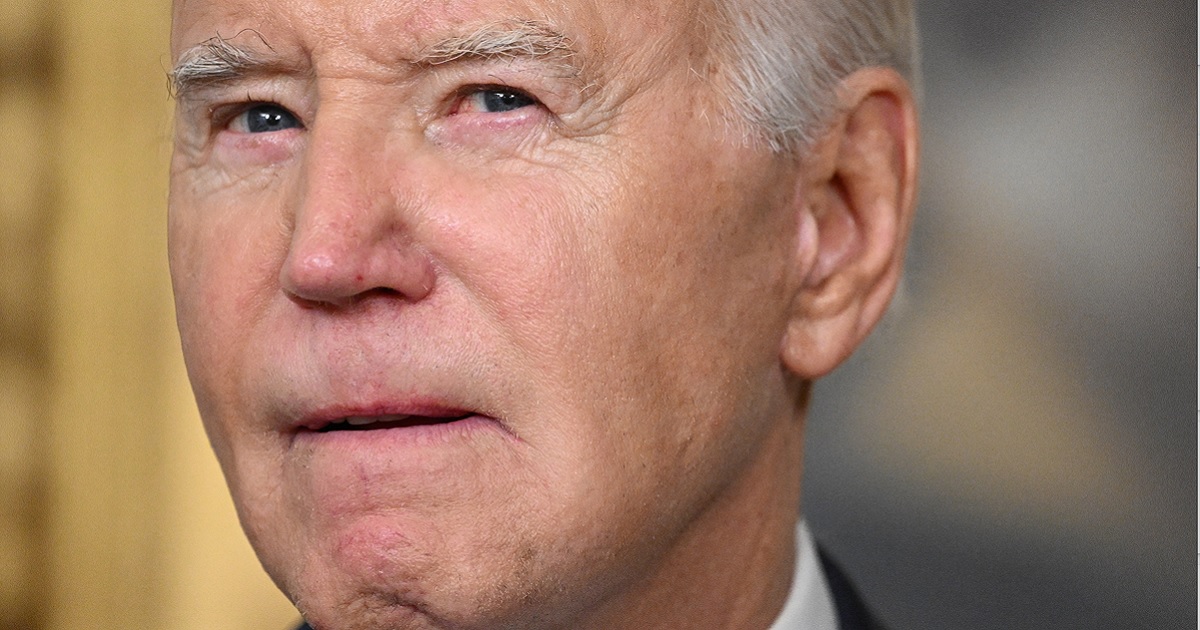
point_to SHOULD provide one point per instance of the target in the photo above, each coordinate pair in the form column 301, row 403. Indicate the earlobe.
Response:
column 859, row 190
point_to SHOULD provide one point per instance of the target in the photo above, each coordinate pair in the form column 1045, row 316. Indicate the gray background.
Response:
column 1014, row 448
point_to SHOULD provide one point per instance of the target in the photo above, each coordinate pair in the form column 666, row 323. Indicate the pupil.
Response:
column 498, row 101
column 265, row 119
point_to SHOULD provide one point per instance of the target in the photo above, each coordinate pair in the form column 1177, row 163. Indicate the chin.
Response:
column 396, row 574
column 328, row 605
column 367, row 612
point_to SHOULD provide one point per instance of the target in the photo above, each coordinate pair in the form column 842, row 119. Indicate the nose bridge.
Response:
column 350, row 234
column 341, row 192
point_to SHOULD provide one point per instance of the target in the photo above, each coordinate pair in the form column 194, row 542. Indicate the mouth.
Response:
column 411, row 422
column 389, row 421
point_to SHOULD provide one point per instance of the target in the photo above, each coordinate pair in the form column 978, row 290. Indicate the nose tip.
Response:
column 333, row 272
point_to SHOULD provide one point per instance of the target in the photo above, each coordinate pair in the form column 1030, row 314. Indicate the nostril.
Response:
column 349, row 300
column 380, row 292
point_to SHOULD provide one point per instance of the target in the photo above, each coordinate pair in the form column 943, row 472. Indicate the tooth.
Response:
column 358, row 421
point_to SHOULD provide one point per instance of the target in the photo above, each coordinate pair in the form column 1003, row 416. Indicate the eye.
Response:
column 493, row 100
column 264, row 118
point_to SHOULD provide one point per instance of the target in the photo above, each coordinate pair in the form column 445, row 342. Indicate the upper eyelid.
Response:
column 518, row 68
column 537, row 79
column 209, row 97
column 467, row 90
column 231, row 109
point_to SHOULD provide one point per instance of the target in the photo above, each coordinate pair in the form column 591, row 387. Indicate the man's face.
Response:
column 477, row 330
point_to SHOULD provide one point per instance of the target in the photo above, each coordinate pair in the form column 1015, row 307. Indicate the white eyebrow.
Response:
column 218, row 60
column 214, row 60
column 509, row 40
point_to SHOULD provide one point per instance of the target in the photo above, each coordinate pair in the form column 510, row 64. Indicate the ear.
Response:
column 856, row 200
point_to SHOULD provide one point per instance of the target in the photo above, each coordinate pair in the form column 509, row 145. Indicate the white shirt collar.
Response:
column 809, row 605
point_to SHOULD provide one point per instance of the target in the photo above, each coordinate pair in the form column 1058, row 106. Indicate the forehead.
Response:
column 401, row 27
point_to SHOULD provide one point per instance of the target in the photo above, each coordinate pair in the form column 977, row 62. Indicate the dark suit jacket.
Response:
column 852, row 614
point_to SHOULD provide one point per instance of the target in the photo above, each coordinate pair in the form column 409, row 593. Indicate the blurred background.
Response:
column 1013, row 449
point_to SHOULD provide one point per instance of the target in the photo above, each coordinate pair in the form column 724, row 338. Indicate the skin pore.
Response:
column 515, row 241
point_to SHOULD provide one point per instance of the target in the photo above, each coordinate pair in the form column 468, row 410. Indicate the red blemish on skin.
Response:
column 359, row 277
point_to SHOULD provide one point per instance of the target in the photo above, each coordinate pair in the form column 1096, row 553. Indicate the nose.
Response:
column 354, row 231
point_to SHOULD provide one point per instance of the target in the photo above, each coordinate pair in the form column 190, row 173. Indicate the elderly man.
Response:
column 504, row 314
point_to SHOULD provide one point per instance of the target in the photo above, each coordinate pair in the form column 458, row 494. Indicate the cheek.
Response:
column 687, row 308
column 520, row 247
column 225, row 250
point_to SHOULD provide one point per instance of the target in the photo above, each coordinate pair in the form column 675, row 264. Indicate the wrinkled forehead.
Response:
column 407, row 26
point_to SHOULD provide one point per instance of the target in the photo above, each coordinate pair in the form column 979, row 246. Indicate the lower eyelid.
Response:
column 501, row 120
column 508, row 130
column 242, row 151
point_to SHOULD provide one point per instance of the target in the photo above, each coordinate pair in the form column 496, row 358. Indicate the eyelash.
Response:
column 464, row 94
column 223, row 115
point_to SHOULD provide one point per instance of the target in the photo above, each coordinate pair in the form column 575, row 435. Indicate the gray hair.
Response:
column 786, row 58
